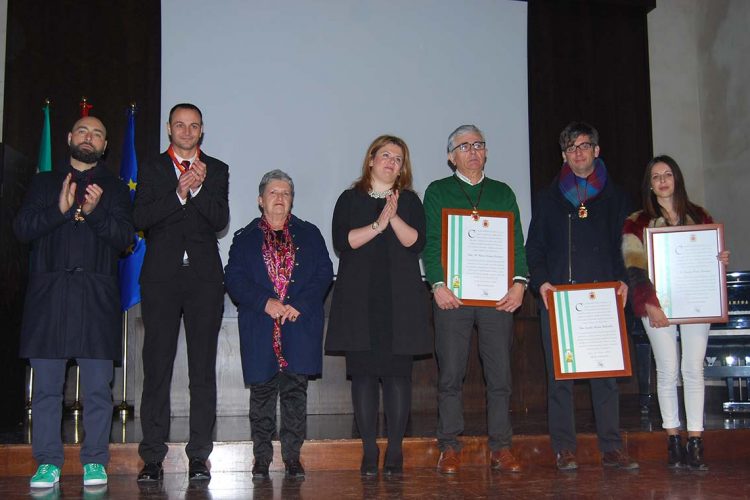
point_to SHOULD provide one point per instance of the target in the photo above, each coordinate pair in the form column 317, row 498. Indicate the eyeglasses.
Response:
column 584, row 146
column 465, row 146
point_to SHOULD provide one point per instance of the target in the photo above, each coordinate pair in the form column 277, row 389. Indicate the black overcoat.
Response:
column 348, row 329
column 72, row 306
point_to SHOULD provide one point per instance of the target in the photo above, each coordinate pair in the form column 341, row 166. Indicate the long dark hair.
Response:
column 682, row 205
column 364, row 183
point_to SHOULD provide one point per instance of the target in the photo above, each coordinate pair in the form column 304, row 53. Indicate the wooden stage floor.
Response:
column 332, row 454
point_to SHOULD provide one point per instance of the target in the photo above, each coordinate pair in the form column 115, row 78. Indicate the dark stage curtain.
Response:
column 588, row 60
column 109, row 52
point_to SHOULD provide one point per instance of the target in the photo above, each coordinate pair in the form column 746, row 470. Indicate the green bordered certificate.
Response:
column 477, row 255
column 589, row 337
column 683, row 265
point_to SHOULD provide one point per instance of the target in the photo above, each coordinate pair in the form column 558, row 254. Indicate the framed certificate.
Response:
column 690, row 281
column 587, row 326
column 477, row 255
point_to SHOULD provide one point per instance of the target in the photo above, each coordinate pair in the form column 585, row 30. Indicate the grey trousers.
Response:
column 453, row 330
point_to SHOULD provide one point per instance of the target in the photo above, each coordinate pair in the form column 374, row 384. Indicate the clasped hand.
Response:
column 192, row 179
column 280, row 311
column 389, row 211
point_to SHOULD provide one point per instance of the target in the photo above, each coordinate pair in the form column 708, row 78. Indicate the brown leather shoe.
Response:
column 450, row 461
column 618, row 459
column 566, row 461
column 504, row 461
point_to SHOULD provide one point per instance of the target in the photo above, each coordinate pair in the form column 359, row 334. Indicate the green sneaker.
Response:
column 94, row 474
column 47, row 475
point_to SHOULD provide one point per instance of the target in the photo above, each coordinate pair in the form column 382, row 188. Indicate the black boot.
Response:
column 675, row 452
column 694, row 453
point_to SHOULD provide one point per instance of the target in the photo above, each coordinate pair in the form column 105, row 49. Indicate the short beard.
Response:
column 88, row 157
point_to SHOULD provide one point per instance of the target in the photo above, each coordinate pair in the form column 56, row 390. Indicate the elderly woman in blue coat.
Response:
column 278, row 275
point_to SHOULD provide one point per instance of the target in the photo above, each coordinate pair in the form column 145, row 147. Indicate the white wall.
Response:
column 700, row 93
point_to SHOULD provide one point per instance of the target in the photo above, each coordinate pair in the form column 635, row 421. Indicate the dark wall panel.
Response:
column 588, row 60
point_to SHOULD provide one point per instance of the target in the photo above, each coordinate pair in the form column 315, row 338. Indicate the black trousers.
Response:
column 291, row 390
column 561, row 410
column 200, row 304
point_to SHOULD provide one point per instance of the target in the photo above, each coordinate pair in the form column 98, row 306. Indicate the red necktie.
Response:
column 186, row 166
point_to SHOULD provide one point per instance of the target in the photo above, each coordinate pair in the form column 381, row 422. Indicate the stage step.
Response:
column 346, row 454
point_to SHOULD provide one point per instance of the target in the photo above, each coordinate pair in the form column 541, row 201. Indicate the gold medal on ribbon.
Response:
column 78, row 216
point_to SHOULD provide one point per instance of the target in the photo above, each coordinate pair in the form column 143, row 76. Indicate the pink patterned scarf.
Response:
column 278, row 254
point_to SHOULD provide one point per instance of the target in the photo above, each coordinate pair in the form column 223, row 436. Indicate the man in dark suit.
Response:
column 181, row 203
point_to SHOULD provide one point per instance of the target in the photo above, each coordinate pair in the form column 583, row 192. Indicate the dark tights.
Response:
column 396, row 406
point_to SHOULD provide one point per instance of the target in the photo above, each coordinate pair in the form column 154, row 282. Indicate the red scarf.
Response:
column 278, row 254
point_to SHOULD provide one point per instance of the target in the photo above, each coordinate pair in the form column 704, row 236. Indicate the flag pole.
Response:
column 128, row 173
column 44, row 164
column 124, row 408
column 31, row 391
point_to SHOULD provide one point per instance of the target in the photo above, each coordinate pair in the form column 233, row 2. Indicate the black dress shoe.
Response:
column 369, row 466
column 394, row 463
column 151, row 471
column 293, row 468
column 197, row 471
column 260, row 469
column 393, row 469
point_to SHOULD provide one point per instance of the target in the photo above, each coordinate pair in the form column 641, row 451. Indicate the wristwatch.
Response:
column 375, row 225
column 522, row 281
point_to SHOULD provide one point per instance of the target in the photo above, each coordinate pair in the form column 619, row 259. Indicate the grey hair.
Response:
column 275, row 175
column 463, row 129
column 571, row 132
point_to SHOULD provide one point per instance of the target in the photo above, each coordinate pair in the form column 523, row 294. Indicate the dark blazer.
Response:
column 172, row 228
column 348, row 328
column 561, row 247
column 250, row 288
column 72, row 306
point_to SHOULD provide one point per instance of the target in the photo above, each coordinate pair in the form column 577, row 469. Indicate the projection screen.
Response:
column 305, row 86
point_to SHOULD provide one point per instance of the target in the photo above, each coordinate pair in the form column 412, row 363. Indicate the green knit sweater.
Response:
column 446, row 193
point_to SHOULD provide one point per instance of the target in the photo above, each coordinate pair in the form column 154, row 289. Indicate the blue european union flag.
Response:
column 130, row 264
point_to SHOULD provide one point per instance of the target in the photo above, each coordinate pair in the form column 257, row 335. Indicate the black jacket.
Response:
column 72, row 306
column 562, row 248
column 172, row 228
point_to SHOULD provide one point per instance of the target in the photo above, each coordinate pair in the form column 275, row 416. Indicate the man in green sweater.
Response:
column 469, row 188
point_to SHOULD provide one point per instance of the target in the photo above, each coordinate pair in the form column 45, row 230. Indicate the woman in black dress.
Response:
column 379, row 311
